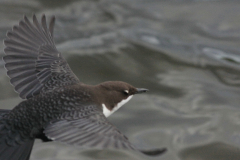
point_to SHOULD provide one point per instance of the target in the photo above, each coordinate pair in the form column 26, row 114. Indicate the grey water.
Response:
column 186, row 52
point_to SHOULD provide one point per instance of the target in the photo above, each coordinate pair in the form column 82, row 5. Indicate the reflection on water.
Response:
column 187, row 54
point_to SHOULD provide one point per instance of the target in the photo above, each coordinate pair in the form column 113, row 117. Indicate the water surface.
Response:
column 185, row 52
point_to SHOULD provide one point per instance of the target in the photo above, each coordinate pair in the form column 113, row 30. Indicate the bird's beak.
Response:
column 141, row 90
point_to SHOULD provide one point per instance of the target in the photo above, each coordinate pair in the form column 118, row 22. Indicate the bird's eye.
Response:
column 126, row 92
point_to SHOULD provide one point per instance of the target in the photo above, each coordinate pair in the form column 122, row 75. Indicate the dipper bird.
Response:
column 57, row 105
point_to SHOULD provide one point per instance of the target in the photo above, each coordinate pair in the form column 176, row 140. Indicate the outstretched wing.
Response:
column 88, row 128
column 32, row 60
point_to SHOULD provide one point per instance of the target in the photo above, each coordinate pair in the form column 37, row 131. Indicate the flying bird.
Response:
column 57, row 106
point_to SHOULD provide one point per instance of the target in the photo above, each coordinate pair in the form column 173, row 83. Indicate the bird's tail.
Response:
column 12, row 147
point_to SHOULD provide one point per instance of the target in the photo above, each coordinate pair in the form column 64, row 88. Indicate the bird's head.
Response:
column 116, row 94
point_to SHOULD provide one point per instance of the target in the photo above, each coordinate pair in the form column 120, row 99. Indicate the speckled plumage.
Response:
column 34, row 114
column 58, row 106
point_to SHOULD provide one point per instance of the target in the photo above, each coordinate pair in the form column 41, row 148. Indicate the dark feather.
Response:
column 3, row 112
column 90, row 129
column 51, row 25
column 16, row 152
column 12, row 145
column 32, row 60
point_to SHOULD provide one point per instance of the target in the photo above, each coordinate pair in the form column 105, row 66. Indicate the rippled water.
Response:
column 186, row 52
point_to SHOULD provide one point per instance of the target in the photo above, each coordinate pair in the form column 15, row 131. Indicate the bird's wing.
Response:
column 88, row 128
column 32, row 60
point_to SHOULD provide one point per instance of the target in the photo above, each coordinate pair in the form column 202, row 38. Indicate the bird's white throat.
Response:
column 107, row 112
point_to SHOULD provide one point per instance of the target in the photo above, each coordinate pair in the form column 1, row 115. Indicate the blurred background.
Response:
column 186, row 52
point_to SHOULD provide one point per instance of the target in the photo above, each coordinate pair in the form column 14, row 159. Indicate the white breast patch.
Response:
column 107, row 112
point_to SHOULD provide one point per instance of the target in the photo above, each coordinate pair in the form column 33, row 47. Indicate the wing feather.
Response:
column 90, row 130
column 32, row 60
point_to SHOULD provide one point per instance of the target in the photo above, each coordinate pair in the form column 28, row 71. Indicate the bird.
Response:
column 56, row 105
